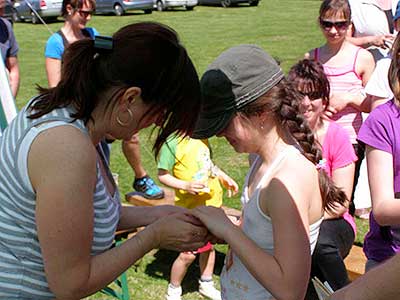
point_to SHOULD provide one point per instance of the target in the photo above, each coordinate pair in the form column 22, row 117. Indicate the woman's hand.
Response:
column 214, row 219
column 179, row 232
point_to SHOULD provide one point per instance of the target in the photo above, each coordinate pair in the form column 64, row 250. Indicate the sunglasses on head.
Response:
column 327, row 25
column 85, row 13
column 313, row 95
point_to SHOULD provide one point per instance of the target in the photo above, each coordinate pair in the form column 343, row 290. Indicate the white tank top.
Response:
column 236, row 281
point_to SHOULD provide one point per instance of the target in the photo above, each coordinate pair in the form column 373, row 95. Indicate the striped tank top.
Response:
column 344, row 79
column 22, row 273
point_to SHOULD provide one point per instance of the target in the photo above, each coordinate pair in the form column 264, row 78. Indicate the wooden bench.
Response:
column 355, row 262
column 136, row 199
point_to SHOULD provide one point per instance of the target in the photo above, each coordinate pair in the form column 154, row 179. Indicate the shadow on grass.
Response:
column 160, row 267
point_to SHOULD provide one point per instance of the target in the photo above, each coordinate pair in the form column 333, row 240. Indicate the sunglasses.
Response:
column 85, row 13
column 327, row 25
column 313, row 95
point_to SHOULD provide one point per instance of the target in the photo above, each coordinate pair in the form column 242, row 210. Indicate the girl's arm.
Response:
column 62, row 170
column 192, row 187
column 380, row 176
column 285, row 274
column 53, row 71
column 227, row 181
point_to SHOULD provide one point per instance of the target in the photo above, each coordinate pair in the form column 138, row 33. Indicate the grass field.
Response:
column 285, row 28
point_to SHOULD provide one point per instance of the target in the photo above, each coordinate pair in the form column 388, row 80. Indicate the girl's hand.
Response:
column 228, row 183
column 195, row 187
column 214, row 219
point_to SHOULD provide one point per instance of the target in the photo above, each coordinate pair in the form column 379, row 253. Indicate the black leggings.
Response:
column 336, row 237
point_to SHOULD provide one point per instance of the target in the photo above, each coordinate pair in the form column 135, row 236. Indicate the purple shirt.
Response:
column 381, row 131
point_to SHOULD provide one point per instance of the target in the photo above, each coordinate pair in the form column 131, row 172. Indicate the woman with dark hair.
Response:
column 76, row 14
column 348, row 68
column 337, row 233
column 248, row 101
column 59, row 205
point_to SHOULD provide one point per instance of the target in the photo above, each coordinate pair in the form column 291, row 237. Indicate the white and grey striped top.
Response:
column 22, row 273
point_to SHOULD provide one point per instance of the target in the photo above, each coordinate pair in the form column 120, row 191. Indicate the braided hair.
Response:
column 283, row 100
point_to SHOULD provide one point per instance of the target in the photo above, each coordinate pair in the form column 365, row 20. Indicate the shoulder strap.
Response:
column 355, row 60
column 64, row 39
column 316, row 54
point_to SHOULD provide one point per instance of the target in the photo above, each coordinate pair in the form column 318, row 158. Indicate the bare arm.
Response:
column 383, row 41
column 62, row 169
column 381, row 283
column 343, row 178
column 380, row 176
column 192, row 187
column 284, row 274
column 53, row 71
column 13, row 69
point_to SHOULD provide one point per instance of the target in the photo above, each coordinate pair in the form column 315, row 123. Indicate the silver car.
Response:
column 30, row 10
column 119, row 7
column 165, row 4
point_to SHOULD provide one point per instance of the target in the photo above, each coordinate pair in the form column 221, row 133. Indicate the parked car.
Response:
column 227, row 3
column 119, row 7
column 28, row 10
column 161, row 5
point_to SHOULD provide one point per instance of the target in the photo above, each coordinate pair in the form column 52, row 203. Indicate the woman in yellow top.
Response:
column 185, row 165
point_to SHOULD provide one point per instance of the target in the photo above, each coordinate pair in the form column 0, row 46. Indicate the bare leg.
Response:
column 131, row 150
column 180, row 266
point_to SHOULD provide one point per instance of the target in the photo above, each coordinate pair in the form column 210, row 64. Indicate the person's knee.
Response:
column 187, row 258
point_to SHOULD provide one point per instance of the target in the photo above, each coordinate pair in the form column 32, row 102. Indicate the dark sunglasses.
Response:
column 327, row 25
column 85, row 13
column 313, row 95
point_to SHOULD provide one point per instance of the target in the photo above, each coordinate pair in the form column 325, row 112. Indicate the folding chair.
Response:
column 8, row 109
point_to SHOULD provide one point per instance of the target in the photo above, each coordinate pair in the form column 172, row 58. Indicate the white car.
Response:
column 165, row 4
column 30, row 10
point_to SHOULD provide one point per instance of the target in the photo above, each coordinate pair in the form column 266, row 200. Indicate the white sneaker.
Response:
column 207, row 289
column 174, row 293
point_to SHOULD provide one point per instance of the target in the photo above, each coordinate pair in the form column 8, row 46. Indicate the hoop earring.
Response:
column 122, row 123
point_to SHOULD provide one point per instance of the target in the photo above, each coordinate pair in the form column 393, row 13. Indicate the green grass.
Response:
column 285, row 28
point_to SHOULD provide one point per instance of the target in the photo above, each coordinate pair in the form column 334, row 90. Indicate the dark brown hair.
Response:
column 282, row 100
column 331, row 8
column 394, row 71
column 309, row 76
column 147, row 55
column 76, row 4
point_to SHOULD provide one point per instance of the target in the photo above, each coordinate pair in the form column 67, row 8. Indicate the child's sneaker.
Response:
column 147, row 186
column 174, row 293
column 207, row 289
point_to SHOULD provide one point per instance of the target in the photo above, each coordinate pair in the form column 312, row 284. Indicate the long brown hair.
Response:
column 283, row 100
column 147, row 55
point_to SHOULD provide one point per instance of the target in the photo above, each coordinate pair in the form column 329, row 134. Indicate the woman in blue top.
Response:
column 76, row 14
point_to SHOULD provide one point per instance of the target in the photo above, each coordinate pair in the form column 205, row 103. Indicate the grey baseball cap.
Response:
column 239, row 76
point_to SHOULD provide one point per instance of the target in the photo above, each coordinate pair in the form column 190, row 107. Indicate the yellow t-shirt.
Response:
column 189, row 160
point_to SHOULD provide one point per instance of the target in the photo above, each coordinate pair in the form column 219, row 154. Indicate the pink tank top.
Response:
column 344, row 79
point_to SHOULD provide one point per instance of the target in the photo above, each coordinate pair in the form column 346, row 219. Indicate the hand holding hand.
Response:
column 384, row 41
column 179, row 232
column 214, row 219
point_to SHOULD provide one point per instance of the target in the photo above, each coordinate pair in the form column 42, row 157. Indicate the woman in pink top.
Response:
column 348, row 68
column 337, row 231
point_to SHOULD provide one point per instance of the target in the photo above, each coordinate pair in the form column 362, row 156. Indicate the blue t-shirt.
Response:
column 8, row 44
column 55, row 44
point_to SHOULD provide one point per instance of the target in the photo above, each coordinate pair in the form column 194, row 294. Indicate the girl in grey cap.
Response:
column 248, row 101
